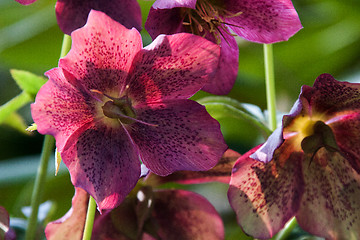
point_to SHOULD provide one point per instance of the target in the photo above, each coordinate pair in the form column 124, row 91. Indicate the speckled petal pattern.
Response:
column 330, row 205
column 102, row 53
column 60, row 109
column 102, row 161
column 71, row 225
column 266, row 196
column 72, row 14
column 264, row 21
column 185, row 215
column 161, row 4
column 172, row 67
column 186, row 137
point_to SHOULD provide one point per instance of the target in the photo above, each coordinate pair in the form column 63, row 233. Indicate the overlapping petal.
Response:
column 72, row 14
column 185, row 137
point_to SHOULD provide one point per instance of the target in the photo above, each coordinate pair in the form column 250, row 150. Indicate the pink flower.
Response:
column 111, row 104
column 309, row 168
column 264, row 21
column 72, row 14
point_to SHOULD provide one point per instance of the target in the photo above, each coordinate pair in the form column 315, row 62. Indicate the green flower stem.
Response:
column 289, row 227
column 90, row 216
column 14, row 104
column 41, row 173
column 270, row 85
column 38, row 186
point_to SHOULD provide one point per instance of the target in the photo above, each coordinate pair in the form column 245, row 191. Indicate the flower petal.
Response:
column 226, row 72
column 6, row 232
column 185, row 137
column 175, row 66
column 221, row 173
column 185, row 215
column 101, row 53
column 71, row 225
column 161, row 4
column 264, row 21
column 330, row 205
column 265, row 196
column 103, row 161
column 59, row 108
column 72, row 14
column 25, row 2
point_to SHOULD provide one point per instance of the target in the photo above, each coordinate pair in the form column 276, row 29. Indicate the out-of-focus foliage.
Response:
column 31, row 40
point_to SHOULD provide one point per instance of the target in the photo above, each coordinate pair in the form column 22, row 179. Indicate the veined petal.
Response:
column 72, row 14
column 59, row 108
column 185, row 137
column 185, row 215
column 103, row 161
column 265, row 196
column 224, row 77
column 263, row 21
column 102, row 53
column 174, row 66
column 161, row 4
column 330, row 205
column 71, row 225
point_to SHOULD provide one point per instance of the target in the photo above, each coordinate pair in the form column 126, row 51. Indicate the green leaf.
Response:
column 17, row 122
column 13, row 105
column 28, row 81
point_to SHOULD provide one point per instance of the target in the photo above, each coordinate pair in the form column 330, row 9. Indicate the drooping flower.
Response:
column 72, row 14
column 261, row 21
column 309, row 168
column 111, row 103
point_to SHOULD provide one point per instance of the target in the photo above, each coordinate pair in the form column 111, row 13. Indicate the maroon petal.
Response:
column 220, row 173
column 226, row 72
column 185, row 215
column 72, row 14
column 101, row 54
column 103, row 161
column 70, row 226
column 264, row 21
column 162, row 4
column 175, row 66
column 6, row 233
column 25, row 2
column 185, row 137
column 330, row 205
column 265, row 196
column 60, row 109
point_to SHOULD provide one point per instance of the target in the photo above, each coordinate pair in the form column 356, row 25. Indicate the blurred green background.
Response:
column 31, row 40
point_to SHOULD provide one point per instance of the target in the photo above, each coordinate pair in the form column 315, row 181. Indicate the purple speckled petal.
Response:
column 162, row 4
column 185, row 215
column 71, row 225
column 220, row 173
column 265, row 196
column 6, row 233
column 164, row 21
column 226, row 72
column 174, row 66
column 103, row 161
column 330, row 205
column 25, row 2
column 72, row 14
column 59, row 108
column 264, row 21
column 101, row 53
column 185, row 137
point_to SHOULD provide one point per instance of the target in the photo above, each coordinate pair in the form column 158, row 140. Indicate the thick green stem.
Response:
column 42, row 170
column 90, row 216
column 270, row 85
column 38, row 186
column 289, row 227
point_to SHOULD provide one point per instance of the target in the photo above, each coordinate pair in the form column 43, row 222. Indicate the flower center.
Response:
column 208, row 17
column 119, row 108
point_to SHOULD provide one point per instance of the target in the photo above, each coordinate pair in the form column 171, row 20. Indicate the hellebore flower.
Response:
column 6, row 233
column 314, row 167
column 72, row 14
column 261, row 21
column 150, row 214
column 111, row 103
